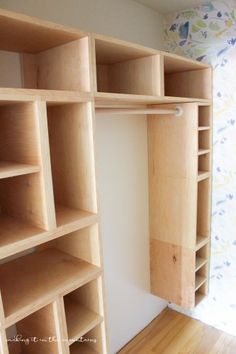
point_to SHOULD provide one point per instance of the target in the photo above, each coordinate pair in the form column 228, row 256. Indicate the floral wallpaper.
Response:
column 208, row 33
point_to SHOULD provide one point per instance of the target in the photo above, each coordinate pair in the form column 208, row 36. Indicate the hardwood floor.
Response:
column 174, row 333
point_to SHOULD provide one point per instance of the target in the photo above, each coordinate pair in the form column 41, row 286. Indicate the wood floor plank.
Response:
column 175, row 333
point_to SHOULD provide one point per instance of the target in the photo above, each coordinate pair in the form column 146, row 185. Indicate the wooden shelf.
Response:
column 13, row 230
column 51, row 96
column 202, row 128
column 11, row 169
column 103, row 99
column 80, row 218
column 200, row 262
column 201, row 241
column 198, row 298
column 203, row 175
column 80, row 319
column 31, row 281
column 199, row 281
column 82, row 348
column 203, row 151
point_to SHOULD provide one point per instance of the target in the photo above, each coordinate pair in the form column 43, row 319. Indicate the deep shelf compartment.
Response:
column 21, row 212
column 201, row 293
column 125, row 70
column 82, row 310
column 179, row 76
column 202, row 256
column 72, row 159
column 33, row 333
column 63, row 67
column 32, row 280
column 19, row 145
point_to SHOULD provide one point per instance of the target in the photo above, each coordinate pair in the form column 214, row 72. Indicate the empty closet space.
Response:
column 126, row 69
column 70, row 129
column 36, row 333
column 180, row 74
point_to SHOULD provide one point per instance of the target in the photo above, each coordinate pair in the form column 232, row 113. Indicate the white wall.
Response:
column 124, row 19
column 122, row 165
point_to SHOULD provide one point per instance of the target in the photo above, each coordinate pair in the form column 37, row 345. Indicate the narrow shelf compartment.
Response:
column 72, row 159
column 82, row 310
column 123, row 69
column 79, row 319
column 202, row 256
column 204, row 139
column 200, row 262
column 201, row 241
column 201, row 293
column 12, row 169
column 200, row 280
column 185, row 73
column 204, row 117
column 202, row 175
column 34, row 279
column 40, row 325
column 203, row 208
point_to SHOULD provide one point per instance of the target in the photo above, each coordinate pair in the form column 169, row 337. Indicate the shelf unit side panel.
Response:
column 172, row 277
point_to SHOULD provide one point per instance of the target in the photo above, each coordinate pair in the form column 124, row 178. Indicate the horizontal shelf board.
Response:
column 198, row 298
column 9, row 95
column 201, row 241
column 81, row 348
column 80, row 319
column 12, row 169
column 65, row 216
column 203, row 151
column 203, row 175
column 116, row 98
column 203, row 128
column 199, row 281
column 200, row 262
column 32, row 281
column 20, row 236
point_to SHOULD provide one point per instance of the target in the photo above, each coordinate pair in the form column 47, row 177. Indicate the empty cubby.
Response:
column 204, row 139
column 90, row 343
column 83, row 309
column 35, row 334
column 204, row 117
column 204, row 162
column 203, row 208
column 71, row 143
column 21, row 208
column 62, row 67
column 201, row 293
column 202, row 256
column 19, row 145
column 179, row 76
column 126, row 70
column 201, row 276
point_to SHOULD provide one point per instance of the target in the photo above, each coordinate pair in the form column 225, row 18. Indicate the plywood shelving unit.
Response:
column 51, row 275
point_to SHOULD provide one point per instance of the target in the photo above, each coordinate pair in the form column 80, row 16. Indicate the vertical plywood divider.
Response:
column 46, row 177
column 173, row 203
column 61, row 328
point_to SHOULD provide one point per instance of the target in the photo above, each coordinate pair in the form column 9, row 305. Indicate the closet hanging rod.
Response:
column 178, row 111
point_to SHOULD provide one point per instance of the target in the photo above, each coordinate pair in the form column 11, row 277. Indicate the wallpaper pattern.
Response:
column 208, row 33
